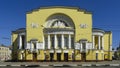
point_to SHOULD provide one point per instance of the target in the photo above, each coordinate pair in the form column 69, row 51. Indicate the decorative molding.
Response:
column 98, row 33
column 83, row 26
column 65, row 7
column 77, row 46
column 97, row 51
column 40, row 46
column 89, row 46
column 60, row 51
column 34, row 25
column 28, row 45
column 23, row 33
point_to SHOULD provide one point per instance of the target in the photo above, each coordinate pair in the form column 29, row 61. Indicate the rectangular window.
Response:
column 84, row 45
column 34, row 45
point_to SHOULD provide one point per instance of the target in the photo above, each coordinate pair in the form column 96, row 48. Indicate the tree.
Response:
column 117, row 54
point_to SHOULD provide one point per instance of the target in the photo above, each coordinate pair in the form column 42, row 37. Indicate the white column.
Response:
column 25, row 44
column 99, row 42
column 43, row 42
column 102, row 42
column 81, row 46
column 20, row 42
column 93, row 41
column 62, row 41
column 49, row 42
column 31, row 47
column 55, row 39
column 69, row 41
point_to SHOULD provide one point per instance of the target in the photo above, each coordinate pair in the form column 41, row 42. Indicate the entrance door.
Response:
column 66, row 56
column 51, row 56
column 34, row 56
column 83, row 56
column 58, row 56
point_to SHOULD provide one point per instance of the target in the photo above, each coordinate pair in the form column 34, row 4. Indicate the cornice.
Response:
column 66, row 7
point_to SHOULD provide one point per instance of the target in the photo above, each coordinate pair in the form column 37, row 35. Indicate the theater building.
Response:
column 61, row 34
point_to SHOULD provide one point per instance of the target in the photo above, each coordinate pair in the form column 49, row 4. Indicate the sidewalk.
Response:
column 103, row 63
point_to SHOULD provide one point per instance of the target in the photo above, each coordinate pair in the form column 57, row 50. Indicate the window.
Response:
column 52, row 44
column 59, row 41
column 72, row 42
column 34, row 45
column 46, row 43
column 66, row 42
column 84, row 45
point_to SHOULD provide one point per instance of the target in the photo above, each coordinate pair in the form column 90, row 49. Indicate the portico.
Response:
column 98, row 40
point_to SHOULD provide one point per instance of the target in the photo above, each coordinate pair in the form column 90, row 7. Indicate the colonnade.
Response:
column 62, row 39
column 100, row 42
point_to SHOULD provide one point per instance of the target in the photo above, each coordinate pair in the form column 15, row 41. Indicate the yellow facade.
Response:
column 61, row 34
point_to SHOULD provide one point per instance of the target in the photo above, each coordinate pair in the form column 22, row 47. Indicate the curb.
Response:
column 86, row 65
column 63, row 65
column 114, row 64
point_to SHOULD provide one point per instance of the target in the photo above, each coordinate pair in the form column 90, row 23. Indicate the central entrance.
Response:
column 51, row 56
column 65, row 56
column 59, row 32
column 58, row 56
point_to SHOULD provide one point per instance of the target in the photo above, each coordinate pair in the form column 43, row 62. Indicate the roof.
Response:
column 66, row 7
column 19, row 30
column 98, row 30
column 1, row 45
column 108, row 31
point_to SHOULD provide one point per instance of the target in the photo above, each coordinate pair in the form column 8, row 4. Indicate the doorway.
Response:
column 66, row 56
column 58, row 56
column 51, row 56
column 83, row 57
column 34, row 56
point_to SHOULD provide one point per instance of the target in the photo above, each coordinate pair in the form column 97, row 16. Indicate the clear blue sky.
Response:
column 106, row 14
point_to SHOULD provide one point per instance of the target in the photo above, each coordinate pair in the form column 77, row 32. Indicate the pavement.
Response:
column 114, row 63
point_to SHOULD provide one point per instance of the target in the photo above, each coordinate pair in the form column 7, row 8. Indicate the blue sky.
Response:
column 106, row 14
